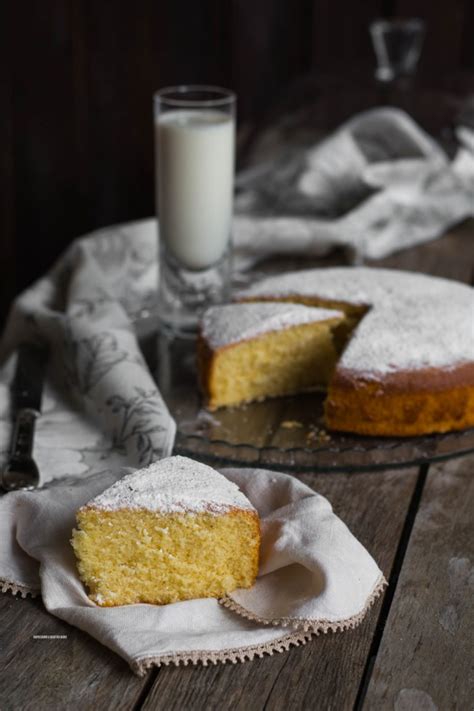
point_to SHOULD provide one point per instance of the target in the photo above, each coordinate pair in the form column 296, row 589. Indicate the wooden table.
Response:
column 412, row 652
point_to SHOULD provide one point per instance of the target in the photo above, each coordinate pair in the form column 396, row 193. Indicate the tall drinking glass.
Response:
column 195, row 148
column 397, row 46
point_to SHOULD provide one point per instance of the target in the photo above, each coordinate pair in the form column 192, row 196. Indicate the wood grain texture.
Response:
column 62, row 674
column 451, row 256
column 425, row 657
column 374, row 506
column 7, row 206
column 444, row 30
column 340, row 38
column 48, row 206
column 269, row 48
column 467, row 53
column 122, row 53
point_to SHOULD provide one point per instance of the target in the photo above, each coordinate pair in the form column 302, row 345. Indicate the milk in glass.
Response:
column 195, row 168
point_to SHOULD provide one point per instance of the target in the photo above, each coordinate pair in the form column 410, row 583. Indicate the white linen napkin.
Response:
column 379, row 184
column 314, row 576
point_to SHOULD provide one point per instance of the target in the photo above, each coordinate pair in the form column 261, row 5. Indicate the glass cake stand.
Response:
column 281, row 433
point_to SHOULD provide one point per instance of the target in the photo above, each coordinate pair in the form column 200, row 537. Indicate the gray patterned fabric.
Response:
column 101, row 405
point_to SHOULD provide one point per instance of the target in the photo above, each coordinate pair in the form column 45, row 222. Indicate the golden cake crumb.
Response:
column 134, row 546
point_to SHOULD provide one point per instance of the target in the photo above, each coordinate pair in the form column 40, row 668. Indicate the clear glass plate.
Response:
column 284, row 432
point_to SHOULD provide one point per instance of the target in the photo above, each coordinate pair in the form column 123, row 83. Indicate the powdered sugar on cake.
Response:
column 173, row 485
column 413, row 321
column 224, row 325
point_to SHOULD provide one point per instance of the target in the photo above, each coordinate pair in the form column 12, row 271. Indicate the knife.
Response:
column 21, row 471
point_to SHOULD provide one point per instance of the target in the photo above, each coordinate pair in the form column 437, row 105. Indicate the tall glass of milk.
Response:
column 195, row 148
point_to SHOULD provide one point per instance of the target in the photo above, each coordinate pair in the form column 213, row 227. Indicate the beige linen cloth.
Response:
column 314, row 576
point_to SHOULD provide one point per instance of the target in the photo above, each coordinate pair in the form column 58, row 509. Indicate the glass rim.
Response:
column 398, row 23
column 170, row 95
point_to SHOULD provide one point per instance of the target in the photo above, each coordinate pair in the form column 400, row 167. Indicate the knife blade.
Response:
column 27, row 385
column 21, row 471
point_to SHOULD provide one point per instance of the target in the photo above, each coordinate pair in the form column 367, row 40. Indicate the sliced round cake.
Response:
column 176, row 530
column 407, row 367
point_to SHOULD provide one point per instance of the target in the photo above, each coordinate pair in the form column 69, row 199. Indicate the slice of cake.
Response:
column 176, row 530
column 252, row 351
column 407, row 368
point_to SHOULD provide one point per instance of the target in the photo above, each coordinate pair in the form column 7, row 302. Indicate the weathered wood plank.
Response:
column 353, row 45
column 451, row 256
column 57, row 673
column 444, row 37
column 7, row 163
column 425, row 657
column 47, row 142
column 328, row 669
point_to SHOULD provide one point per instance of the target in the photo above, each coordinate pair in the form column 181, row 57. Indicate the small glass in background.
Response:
column 397, row 45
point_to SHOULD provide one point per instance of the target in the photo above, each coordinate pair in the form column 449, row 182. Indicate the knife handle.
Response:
column 24, row 433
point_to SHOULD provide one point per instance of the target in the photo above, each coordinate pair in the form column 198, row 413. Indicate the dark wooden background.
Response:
column 78, row 77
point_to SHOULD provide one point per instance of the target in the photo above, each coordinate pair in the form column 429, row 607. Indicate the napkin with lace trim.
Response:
column 314, row 576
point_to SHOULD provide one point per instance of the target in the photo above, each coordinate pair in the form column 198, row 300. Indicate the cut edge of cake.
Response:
column 286, row 348
column 176, row 530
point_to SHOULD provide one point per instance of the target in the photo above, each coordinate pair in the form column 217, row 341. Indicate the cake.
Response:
column 407, row 367
column 174, row 531
column 251, row 351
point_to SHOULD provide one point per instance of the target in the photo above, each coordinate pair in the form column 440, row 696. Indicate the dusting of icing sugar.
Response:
column 414, row 321
column 224, row 325
column 173, row 485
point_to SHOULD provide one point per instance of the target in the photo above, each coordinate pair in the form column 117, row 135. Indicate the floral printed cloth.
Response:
column 101, row 406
